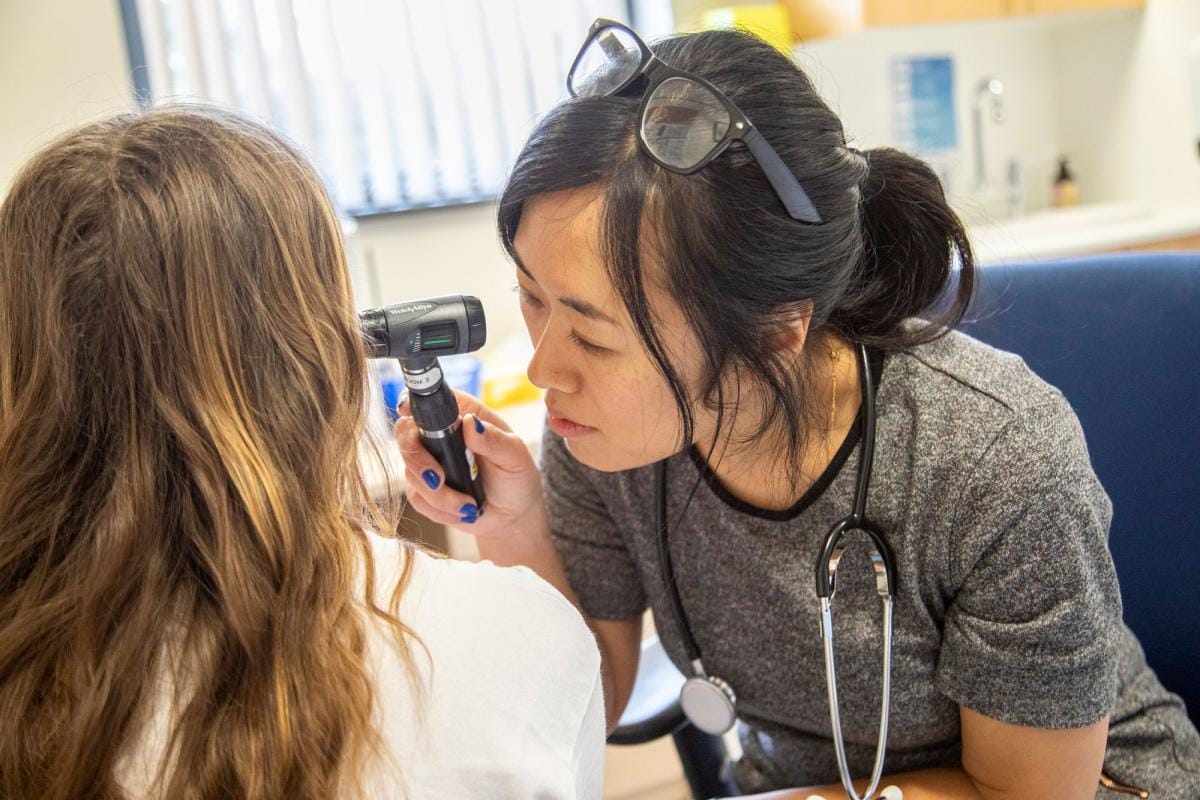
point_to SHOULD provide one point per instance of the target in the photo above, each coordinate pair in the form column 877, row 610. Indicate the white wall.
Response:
column 1125, row 105
column 1108, row 90
column 851, row 72
column 441, row 251
column 62, row 62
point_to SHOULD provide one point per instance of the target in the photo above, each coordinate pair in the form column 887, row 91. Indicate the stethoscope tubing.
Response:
column 835, row 717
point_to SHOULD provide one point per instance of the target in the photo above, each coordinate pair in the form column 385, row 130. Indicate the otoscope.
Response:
column 416, row 333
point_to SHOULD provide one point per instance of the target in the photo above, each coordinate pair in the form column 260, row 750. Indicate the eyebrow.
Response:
column 582, row 307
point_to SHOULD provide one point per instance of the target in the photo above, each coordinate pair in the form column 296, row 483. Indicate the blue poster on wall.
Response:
column 922, row 90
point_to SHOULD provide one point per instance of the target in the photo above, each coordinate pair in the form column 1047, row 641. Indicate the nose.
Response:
column 550, row 367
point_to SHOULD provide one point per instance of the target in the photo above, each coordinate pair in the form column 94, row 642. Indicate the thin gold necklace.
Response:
column 835, row 357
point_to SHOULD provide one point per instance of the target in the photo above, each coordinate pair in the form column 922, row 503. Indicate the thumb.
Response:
column 504, row 450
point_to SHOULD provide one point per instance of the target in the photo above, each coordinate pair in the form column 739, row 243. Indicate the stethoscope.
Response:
column 708, row 701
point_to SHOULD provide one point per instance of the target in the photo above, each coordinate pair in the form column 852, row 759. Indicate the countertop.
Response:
column 1062, row 233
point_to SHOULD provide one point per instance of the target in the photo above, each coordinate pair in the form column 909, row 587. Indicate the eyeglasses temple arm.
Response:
column 794, row 198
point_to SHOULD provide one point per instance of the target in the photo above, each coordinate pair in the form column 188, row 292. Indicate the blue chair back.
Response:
column 1119, row 335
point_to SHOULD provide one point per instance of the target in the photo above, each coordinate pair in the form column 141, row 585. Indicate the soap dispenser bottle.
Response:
column 1066, row 191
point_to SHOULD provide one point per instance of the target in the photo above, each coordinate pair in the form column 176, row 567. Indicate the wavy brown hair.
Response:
column 181, row 398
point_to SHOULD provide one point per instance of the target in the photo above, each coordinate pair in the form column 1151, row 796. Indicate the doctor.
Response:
column 725, row 299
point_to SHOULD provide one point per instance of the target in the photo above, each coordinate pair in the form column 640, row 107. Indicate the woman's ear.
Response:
column 792, row 334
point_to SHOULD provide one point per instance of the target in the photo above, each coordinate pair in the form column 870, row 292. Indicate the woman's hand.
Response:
column 510, row 478
column 514, row 528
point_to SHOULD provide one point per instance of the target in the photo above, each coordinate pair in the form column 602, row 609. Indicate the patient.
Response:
column 193, row 602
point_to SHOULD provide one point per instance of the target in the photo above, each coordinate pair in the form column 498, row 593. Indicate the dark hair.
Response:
column 740, row 268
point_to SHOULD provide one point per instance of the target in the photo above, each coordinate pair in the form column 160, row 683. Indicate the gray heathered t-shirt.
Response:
column 1007, row 601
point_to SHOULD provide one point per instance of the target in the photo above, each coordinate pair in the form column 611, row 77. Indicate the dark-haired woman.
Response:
column 713, row 301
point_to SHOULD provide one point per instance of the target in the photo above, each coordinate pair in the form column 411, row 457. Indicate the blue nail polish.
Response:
column 478, row 425
column 431, row 478
column 469, row 510
column 468, row 519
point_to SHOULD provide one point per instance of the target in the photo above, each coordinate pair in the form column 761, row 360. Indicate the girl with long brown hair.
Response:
column 193, row 603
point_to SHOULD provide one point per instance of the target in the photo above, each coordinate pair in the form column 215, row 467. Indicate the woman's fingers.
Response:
column 417, row 459
column 507, row 473
column 427, row 481
column 472, row 405
column 443, row 499
column 495, row 446
column 426, row 478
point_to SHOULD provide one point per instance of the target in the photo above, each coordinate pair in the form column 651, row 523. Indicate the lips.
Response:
column 565, row 426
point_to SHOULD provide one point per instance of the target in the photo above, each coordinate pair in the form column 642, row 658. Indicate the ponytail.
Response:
column 911, row 237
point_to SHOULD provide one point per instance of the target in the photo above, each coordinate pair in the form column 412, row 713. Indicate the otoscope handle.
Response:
column 451, row 452
column 435, row 410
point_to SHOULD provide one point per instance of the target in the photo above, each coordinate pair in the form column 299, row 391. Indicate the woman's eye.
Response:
column 587, row 346
column 526, row 297
column 530, row 300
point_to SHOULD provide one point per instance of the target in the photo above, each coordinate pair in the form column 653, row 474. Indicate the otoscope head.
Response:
column 425, row 329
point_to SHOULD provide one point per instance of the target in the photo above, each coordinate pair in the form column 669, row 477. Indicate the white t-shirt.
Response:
column 512, row 705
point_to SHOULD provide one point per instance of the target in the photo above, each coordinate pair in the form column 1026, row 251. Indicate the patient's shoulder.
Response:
column 464, row 606
column 509, row 702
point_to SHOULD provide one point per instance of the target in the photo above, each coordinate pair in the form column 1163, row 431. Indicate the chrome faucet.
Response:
column 989, row 91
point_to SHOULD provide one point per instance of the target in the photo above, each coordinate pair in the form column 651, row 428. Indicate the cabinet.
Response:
column 813, row 19
column 1054, row 6
column 909, row 12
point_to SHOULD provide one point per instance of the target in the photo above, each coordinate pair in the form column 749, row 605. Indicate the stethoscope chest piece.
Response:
column 709, row 703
